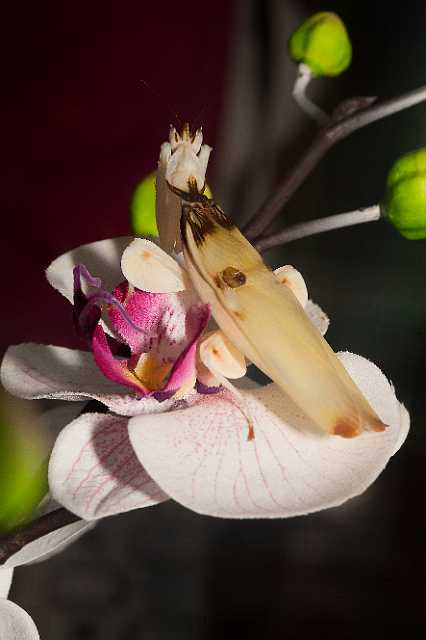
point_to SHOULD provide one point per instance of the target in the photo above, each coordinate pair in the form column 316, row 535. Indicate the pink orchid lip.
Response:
column 143, row 322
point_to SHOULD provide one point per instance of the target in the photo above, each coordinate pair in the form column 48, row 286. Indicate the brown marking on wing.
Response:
column 233, row 277
column 378, row 426
column 204, row 217
column 347, row 427
column 218, row 282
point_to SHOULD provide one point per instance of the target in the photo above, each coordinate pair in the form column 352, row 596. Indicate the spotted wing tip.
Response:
column 348, row 427
column 378, row 426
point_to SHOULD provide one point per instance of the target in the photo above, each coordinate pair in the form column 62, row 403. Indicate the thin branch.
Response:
column 323, row 142
column 33, row 530
column 311, row 228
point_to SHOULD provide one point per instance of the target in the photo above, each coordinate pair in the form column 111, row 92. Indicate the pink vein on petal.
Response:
column 83, row 451
column 110, row 478
column 100, row 460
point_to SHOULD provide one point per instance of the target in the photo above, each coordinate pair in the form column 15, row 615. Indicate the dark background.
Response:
column 80, row 128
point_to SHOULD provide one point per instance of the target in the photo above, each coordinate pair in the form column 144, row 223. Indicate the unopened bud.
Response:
column 23, row 462
column 142, row 208
column 405, row 201
column 322, row 44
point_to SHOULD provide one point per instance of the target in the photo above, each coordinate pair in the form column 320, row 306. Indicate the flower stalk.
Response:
column 313, row 227
column 339, row 128
column 304, row 77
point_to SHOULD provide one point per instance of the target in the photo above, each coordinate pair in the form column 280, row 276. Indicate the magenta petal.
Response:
column 145, row 311
column 165, row 324
column 113, row 368
column 184, row 368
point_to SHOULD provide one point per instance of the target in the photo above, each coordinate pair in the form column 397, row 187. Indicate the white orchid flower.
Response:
column 193, row 446
column 177, row 426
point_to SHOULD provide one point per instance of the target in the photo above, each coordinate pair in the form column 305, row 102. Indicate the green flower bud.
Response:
column 142, row 207
column 405, row 200
column 322, row 43
column 23, row 464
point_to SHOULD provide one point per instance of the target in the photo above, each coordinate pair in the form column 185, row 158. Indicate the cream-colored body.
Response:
column 183, row 158
column 267, row 324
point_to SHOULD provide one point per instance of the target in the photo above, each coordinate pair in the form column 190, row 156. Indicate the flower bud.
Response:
column 142, row 208
column 322, row 44
column 23, row 467
column 405, row 201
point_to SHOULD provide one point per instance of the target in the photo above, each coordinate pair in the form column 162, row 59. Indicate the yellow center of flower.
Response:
column 152, row 373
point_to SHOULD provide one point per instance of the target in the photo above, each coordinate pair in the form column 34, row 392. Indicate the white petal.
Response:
column 6, row 576
column 101, row 258
column 94, row 471
column 49, row 545
column 53, row 421
column 201, row 457
column 149, row 268
column 34, row 371
column 15, row 623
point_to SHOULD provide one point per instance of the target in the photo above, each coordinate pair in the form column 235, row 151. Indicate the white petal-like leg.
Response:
column 151, row 269
column 293, row 279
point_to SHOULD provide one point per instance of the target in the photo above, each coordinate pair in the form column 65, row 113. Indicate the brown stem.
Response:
column 347, row 118
column 34, row 530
